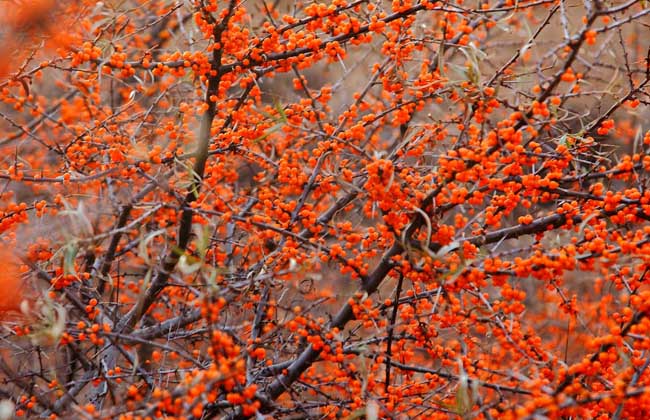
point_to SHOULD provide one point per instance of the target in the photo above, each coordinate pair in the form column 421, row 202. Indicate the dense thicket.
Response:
column 406, row 209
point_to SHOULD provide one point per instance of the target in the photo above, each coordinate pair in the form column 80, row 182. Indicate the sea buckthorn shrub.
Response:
column 348, row 209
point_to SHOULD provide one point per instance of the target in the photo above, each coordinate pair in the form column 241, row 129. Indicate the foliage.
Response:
column 353, row 209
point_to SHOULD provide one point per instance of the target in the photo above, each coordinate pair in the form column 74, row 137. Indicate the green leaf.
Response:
column 69, row 254
column 188, row 264
column 202, row 240
column 463, row 397
column 144, row 243
column 283, row 116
